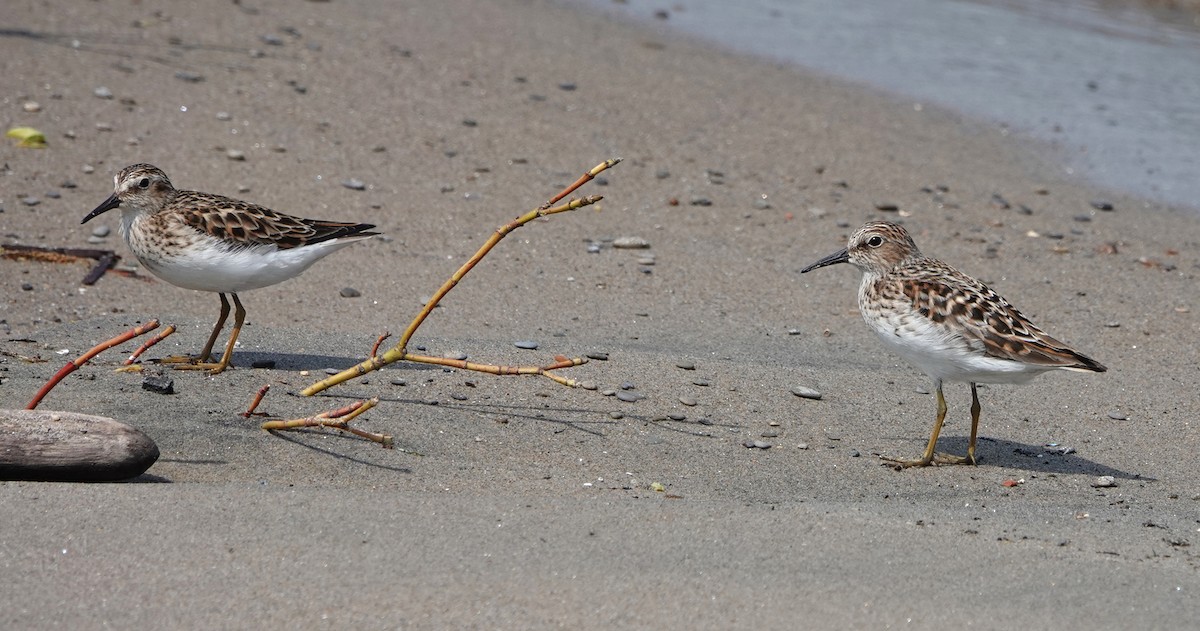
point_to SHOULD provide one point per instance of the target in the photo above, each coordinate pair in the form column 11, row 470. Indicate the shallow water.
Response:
column 1114, row 87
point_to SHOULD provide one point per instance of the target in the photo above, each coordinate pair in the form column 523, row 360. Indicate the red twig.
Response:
column 83, row 359
column 375, row 349
column 262, row 392
column 150, row 342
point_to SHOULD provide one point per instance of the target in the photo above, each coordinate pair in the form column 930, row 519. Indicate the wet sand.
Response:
column 518, row 503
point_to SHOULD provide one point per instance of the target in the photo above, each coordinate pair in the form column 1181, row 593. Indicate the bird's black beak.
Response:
column 109, row 204
column 841, row 256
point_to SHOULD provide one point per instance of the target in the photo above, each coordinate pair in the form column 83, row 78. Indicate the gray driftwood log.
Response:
column 71, row 447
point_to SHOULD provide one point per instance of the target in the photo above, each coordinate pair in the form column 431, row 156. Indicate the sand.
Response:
column 516, row 502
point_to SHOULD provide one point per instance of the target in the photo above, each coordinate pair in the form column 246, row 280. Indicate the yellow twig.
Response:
column 399, row 352
column 338, row 419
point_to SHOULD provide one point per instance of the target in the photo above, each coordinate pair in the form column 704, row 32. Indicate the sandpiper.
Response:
column 947, row 324
column 219, row 244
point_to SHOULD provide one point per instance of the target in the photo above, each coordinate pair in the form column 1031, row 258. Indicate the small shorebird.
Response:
column 946, row 323
column 213, row 243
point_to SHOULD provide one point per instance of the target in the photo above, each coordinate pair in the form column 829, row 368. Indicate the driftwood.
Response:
column 71, row 447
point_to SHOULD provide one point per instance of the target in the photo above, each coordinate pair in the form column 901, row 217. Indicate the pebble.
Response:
column 889, row 207
column 676, row 416
column 1100, row 204
column 587, row 384
column 770, row 433
column 332, row 371
column 662, row 174
column 458, row 396
column 32, row 106
column 528, row 345
column 628, row 385
column 104, row 127
column 349, row 292
column 646, row 260
column 190, row 77
column 567, row 87
column 608, row 392
column 756, row 444
column 103, row 92
column 628, row 397
column 235, row 154
column 703, row 383
column 602, row 357
column 1113, row 325
column 854, row 453
column 27, row 286
column 701, row 201
column 616, row 415
column 593, row 248
column 630, row 243
column 1083, row 218
column 685, row 365
column 761, row 204
column 398, row 382
column 688, row 401
column 158, row 382
column 793, row 331
column 68, row 184
column 1104, row 482
column 271, row 40
column 224, row 116
column 457, row 355
column 354, row 184
column 1117, row 415
column 802, row 446
column 806, row 392
column 94, row 240
column 30, row 201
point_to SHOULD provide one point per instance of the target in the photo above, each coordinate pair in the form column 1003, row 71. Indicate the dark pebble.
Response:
column 157, row 382
column 628, row 385
column 889, row 207
column 1102, row 205
column 271, row 40
column 190, row 77
column 1083, row 218
column 854, row 453
column 53, row 194
column 354, row 184
column 662, row 174
column 27, row 286
column 597, row 356
column 756, row 444
column 628, row 397
column 770, row 433
column 676, row 416
column 349, row 292
column 528, row 345
column 470, row 122
column 999, row 202
column 685, row 365
column 458, row 397
column 567, row 87
column 263, row 363
column 701, row 201
column 30, row 201
column 701, row 382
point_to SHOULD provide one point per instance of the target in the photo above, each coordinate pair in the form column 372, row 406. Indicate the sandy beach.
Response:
column 517, row 503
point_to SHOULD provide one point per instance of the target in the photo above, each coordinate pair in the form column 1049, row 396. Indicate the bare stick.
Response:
column 378, row 342
column 160, row 336
column 262, row 392
column 399, row 352
column 83, row 359
column 338, row 419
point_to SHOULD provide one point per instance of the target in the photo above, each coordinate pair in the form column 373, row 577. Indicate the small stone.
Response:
column 676, row 416
column 1104, row 482
column 158, row 382
column 801, row 445
column 628, row 385
column 688, row 401
column 630, row 243
column 888, row 207
column 701, row 201
column 30, row 201
column 349, row 292
column 455, row 355
column 1083, row 218
column 224, row 116
column 332, row 371
column 567, row 87
column 793, row 331
column 593, row 248
column 271, row 40
column 1117, row 415
column 1100, row 204
column 457, row 396
column 662, row 174
column 685, row 365
column 588, row 385
column 32, row 106
column 628, row 397
column 470, row 122
column 398, row 382
column 761, row 204
column 646, row 260
column 1113, row 324
column 528, row 345
column 104, row 127
column 190, row 77
column 103, row 92
column 26, row 286
column 854, row 453
column 354, row 184
column 608, row 392
column 94, row 240
column 756, row 444
column 770, row 433
column 602, row 357
column 236, row 155
column 806, row 392
column 703, row 383
column 616, row 416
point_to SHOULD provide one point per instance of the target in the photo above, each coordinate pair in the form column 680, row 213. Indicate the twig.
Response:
column 262, row 392
column 83, row 359
column 338, row 419
column 160, row 336
column 399, row 352
column 105, row 258
column 375, row 348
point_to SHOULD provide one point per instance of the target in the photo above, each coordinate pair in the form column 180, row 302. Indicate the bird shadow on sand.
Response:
column 299, row 361
column 996, row 452
column 297, row 437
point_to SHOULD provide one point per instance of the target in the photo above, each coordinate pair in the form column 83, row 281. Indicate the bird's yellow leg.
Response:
column 926, row 458
column 205, row 356
column 239, row 317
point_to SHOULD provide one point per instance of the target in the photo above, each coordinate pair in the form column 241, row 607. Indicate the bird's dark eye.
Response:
column 875, row 241
column 144, row 183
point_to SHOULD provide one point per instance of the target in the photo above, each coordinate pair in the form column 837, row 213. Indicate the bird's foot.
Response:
column 213, row 368
column 935, row 459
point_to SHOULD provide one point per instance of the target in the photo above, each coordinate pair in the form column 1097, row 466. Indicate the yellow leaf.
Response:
column 27, row 137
